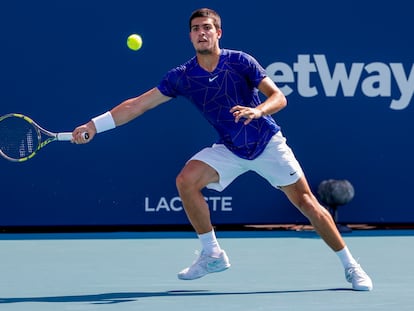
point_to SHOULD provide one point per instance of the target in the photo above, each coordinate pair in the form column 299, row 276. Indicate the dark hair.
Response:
column 205, row 12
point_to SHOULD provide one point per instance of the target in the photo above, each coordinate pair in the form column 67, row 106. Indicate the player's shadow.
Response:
column 112, row 298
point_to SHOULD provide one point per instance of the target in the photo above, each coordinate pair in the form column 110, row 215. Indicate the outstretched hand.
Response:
column 79, row 133
column 247, row 113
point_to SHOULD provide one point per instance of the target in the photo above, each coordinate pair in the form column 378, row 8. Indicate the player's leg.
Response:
column 301, row 196
column 191, row 180
column 278, row 165
column 215, row 168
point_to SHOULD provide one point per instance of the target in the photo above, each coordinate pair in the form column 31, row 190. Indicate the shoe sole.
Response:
column 363, row 288
column 189, row 279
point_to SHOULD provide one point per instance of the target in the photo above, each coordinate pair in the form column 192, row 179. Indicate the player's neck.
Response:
column 209, row 61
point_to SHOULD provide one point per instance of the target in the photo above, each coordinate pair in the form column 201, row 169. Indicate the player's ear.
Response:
column 219, row 33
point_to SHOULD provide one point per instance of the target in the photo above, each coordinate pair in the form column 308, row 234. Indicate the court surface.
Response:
column 271, row 270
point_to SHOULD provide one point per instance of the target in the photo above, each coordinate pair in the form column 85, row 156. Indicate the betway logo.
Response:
column 374, row 79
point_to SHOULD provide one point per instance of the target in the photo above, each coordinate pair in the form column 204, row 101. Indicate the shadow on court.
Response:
column 112, row 298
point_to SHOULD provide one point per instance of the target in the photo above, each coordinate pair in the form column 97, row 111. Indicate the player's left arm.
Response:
column 274, row 102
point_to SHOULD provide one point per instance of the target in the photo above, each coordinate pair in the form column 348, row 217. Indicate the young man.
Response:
column 223, row 84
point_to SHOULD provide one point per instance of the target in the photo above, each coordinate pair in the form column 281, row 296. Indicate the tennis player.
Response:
column 224, row 84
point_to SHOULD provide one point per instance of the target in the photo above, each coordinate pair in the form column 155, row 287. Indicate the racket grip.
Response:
column 68, row 136
column 64, row 136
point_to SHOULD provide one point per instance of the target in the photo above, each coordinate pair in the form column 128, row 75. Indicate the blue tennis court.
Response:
column 271, row 270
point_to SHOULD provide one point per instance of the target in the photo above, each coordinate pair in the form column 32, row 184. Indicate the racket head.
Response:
column 20, row 137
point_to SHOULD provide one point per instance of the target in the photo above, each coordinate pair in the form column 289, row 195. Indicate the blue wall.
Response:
column 346, row 67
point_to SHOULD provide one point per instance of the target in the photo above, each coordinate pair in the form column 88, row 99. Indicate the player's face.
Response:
column 204, row 35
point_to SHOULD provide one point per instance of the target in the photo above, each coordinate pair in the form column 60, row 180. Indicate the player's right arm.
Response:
column 136, row 106
column 119, row 115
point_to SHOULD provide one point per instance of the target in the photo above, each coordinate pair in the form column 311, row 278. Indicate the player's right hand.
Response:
column 84, row 133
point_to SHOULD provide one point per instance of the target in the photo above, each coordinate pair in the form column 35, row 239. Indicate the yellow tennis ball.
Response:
column 134, row 42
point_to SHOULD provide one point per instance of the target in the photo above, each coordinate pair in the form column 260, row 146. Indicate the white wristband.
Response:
column 104, row 122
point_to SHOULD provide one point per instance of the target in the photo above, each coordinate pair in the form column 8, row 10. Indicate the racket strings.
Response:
column 18, row 138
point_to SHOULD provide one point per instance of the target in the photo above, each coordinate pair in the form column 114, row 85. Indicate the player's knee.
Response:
column 180, row 181
column 183, row 181
column 309, row 206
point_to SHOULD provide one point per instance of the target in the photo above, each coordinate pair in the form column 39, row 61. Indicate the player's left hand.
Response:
column 247, row 113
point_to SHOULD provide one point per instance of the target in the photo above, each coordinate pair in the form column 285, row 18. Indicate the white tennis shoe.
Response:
column 358, row 278
column 204, row 265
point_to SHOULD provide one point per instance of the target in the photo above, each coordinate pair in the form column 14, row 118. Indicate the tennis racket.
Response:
column 21, row 137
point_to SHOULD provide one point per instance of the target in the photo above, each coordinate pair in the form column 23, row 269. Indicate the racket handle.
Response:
column 66, row 136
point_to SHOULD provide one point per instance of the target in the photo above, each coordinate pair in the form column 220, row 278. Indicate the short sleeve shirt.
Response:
column 233, row 82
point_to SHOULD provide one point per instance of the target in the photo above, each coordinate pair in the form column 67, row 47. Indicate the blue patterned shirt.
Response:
column 233, row 82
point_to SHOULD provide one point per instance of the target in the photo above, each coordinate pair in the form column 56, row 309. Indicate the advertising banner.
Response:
column 347, row 70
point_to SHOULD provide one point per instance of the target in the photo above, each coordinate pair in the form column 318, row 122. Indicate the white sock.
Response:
column 209, row 243
column 346, row 257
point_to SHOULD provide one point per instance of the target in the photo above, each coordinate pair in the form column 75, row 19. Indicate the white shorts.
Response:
column 277, row 164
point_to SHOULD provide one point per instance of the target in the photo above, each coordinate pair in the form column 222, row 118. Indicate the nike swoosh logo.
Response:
column 291, row 174
column 213, row 78
column 214, row 265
